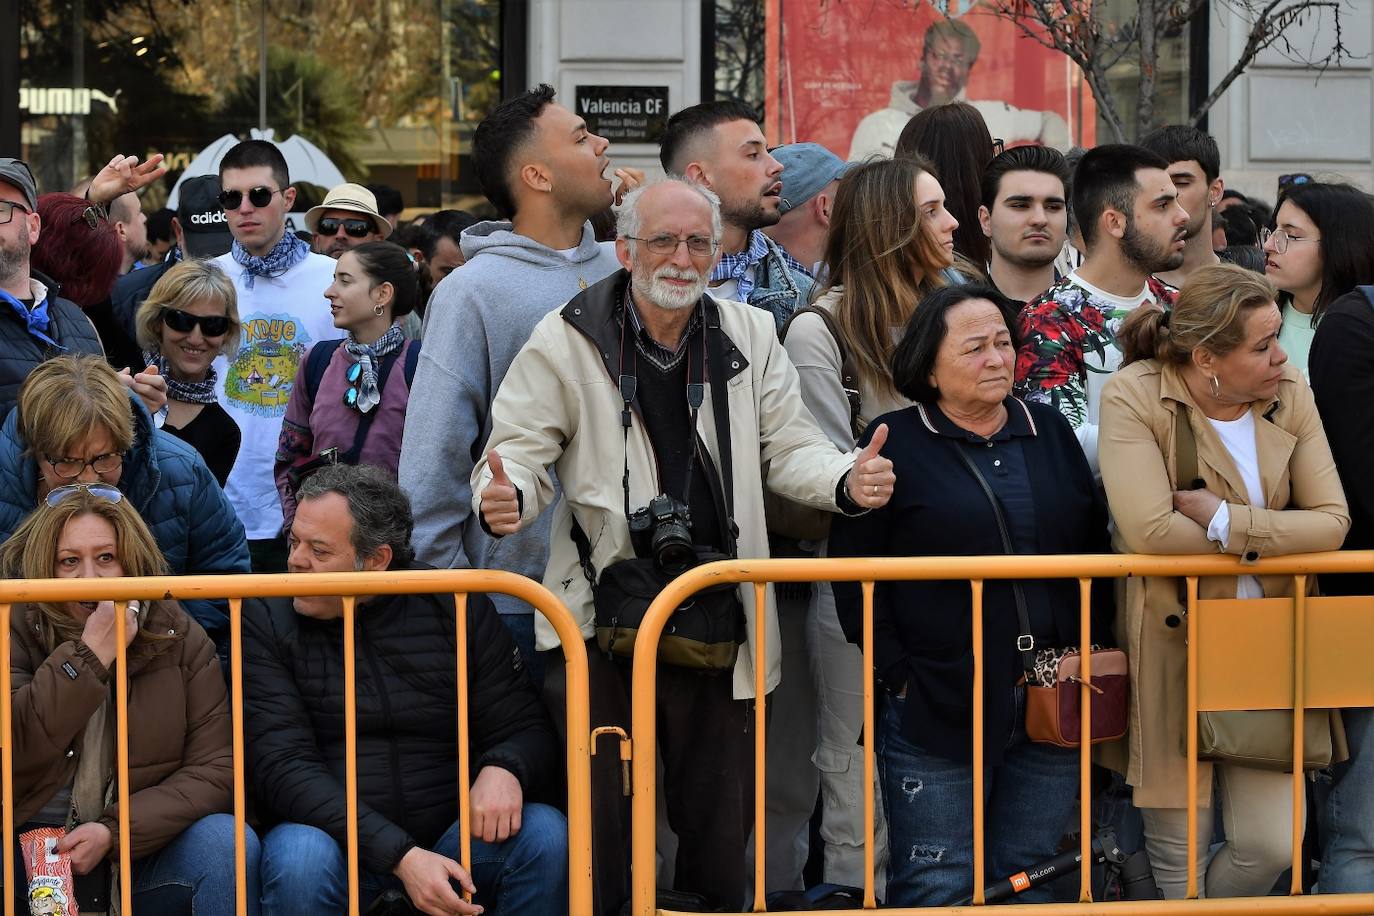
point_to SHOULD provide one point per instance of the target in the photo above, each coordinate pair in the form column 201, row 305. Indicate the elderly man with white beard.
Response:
column 637, row 393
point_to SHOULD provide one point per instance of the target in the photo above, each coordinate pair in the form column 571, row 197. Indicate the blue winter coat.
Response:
column 167, row 481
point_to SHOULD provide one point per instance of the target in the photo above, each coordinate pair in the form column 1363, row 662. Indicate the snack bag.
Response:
column 51, row 889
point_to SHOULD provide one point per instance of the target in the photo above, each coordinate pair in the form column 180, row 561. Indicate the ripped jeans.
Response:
column 929, row 804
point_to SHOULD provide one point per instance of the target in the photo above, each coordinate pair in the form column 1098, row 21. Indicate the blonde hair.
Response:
column 31, row 551
column 881, row 251
column 1210, row 313
column 185, row 284
column 65, row 398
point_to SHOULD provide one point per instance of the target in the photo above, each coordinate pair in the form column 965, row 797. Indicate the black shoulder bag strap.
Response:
column 365, row 420
column 720, row 408
column 849, row 376
column 1025, row 642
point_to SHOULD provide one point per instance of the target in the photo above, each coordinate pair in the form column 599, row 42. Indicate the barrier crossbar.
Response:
column 1215, row 666
column 459, row 583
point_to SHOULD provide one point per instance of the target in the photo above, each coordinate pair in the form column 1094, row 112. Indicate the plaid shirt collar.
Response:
column 792, row 263
column 662, row 357
column 739, row 266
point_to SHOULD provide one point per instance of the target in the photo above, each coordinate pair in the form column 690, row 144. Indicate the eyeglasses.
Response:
column 259, row 197
column 7, row 208
column 103, row 490
column 667, row 244
column 1282, row 239
column 354, row 228
column 184, row 322
column 353, row 376
column 69, row 468
column 92, row 215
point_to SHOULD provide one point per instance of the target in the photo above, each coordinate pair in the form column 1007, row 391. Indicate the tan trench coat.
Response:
column 1307, row 512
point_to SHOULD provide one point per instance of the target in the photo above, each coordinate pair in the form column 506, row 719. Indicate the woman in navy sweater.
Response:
column 956, row 361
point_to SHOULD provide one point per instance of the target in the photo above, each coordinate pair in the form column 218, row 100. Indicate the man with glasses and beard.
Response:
column 35, row 322
column 1133, row 226
column 597, row 395
column 280, row 285
column 347, row 218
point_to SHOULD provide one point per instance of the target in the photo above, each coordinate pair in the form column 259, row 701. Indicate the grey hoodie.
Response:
column 478, row 318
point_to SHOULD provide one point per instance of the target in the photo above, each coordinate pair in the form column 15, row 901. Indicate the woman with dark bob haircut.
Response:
column 956, row 362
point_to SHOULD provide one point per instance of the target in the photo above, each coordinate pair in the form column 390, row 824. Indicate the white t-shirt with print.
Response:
column 282, row 318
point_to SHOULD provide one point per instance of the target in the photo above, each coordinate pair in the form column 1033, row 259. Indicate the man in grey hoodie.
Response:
column 542, row 169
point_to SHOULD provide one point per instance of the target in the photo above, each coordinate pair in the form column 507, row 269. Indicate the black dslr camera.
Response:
column 663, row 531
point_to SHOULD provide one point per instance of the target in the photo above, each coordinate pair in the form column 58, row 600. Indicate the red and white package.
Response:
column 51, row 889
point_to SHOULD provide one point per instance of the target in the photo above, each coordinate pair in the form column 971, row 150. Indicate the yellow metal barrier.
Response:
column 346, row 585
column 1324, row 635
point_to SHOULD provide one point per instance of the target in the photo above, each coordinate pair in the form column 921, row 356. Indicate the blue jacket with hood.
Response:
column 167, row 481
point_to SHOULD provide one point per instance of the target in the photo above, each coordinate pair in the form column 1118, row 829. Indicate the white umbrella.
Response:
column 304, row 161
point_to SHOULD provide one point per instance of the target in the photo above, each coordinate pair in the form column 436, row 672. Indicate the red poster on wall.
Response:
column 852, row 73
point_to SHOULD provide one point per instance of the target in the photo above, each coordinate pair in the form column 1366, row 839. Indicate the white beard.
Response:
column 666, row 296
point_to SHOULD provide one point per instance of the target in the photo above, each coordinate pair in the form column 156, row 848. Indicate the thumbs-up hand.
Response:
column 500, row 499
column 870, row 482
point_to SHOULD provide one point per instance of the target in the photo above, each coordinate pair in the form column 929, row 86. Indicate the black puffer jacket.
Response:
column 407, row 727
column 20, row 351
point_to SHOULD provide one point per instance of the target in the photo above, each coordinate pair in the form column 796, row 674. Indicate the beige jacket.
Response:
column 559, row 407
column 1306, row 512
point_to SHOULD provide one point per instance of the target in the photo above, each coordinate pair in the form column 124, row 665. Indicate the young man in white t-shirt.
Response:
column 1128, row 211
column 281, row 304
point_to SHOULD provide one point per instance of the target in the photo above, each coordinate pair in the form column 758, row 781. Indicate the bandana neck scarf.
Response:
column 740, row 267
column 370, row 356
column 286, row 254
column 202, row 392
column 35, row 320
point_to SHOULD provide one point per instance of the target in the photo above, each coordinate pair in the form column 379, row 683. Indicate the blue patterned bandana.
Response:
column 740, row 267
column 370, row 357
column 286, row 254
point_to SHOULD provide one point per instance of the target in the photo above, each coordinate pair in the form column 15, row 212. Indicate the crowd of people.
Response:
column 946, row 348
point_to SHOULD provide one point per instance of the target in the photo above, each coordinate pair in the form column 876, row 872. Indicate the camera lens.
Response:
column 675, row 554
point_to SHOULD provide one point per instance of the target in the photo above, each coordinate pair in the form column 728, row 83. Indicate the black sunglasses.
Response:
column 259, row 197
column 355, row 228
column 92, row 215
column 184, row 322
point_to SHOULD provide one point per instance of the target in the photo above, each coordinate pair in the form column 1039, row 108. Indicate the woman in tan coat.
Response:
column 62, row 658
column 1271, row 488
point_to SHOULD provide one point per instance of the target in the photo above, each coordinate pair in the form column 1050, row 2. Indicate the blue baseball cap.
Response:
column 806, row 169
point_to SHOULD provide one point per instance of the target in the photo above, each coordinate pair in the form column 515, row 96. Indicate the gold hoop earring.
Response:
column 1216, row 387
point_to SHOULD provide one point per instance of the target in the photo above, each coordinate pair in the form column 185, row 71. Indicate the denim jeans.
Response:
column 929, row 803
column 1347, row 812
column 195, row 872
column 304, row 870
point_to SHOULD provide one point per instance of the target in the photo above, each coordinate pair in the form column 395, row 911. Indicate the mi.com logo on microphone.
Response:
column 206, row 219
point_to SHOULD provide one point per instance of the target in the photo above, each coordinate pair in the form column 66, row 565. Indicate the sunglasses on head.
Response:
column 354, row 228
column 102, row 490
column 259, row 197
column 92, row 215
column 184, row 322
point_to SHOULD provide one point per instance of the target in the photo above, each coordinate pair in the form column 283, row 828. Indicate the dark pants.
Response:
column 706, row 739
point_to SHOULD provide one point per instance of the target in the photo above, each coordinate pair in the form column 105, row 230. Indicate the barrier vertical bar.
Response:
column 460, row 604
column 1085, row 758
column 236, row 719
column 121, row 751
column 760, row 743
column 1191, row 726
column 870, row 741
column 6, row 760
column 979, row 878
column 1299, row 712
column 351, row 748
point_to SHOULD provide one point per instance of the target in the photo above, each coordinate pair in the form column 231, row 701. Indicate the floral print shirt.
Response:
column 1069, row 348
